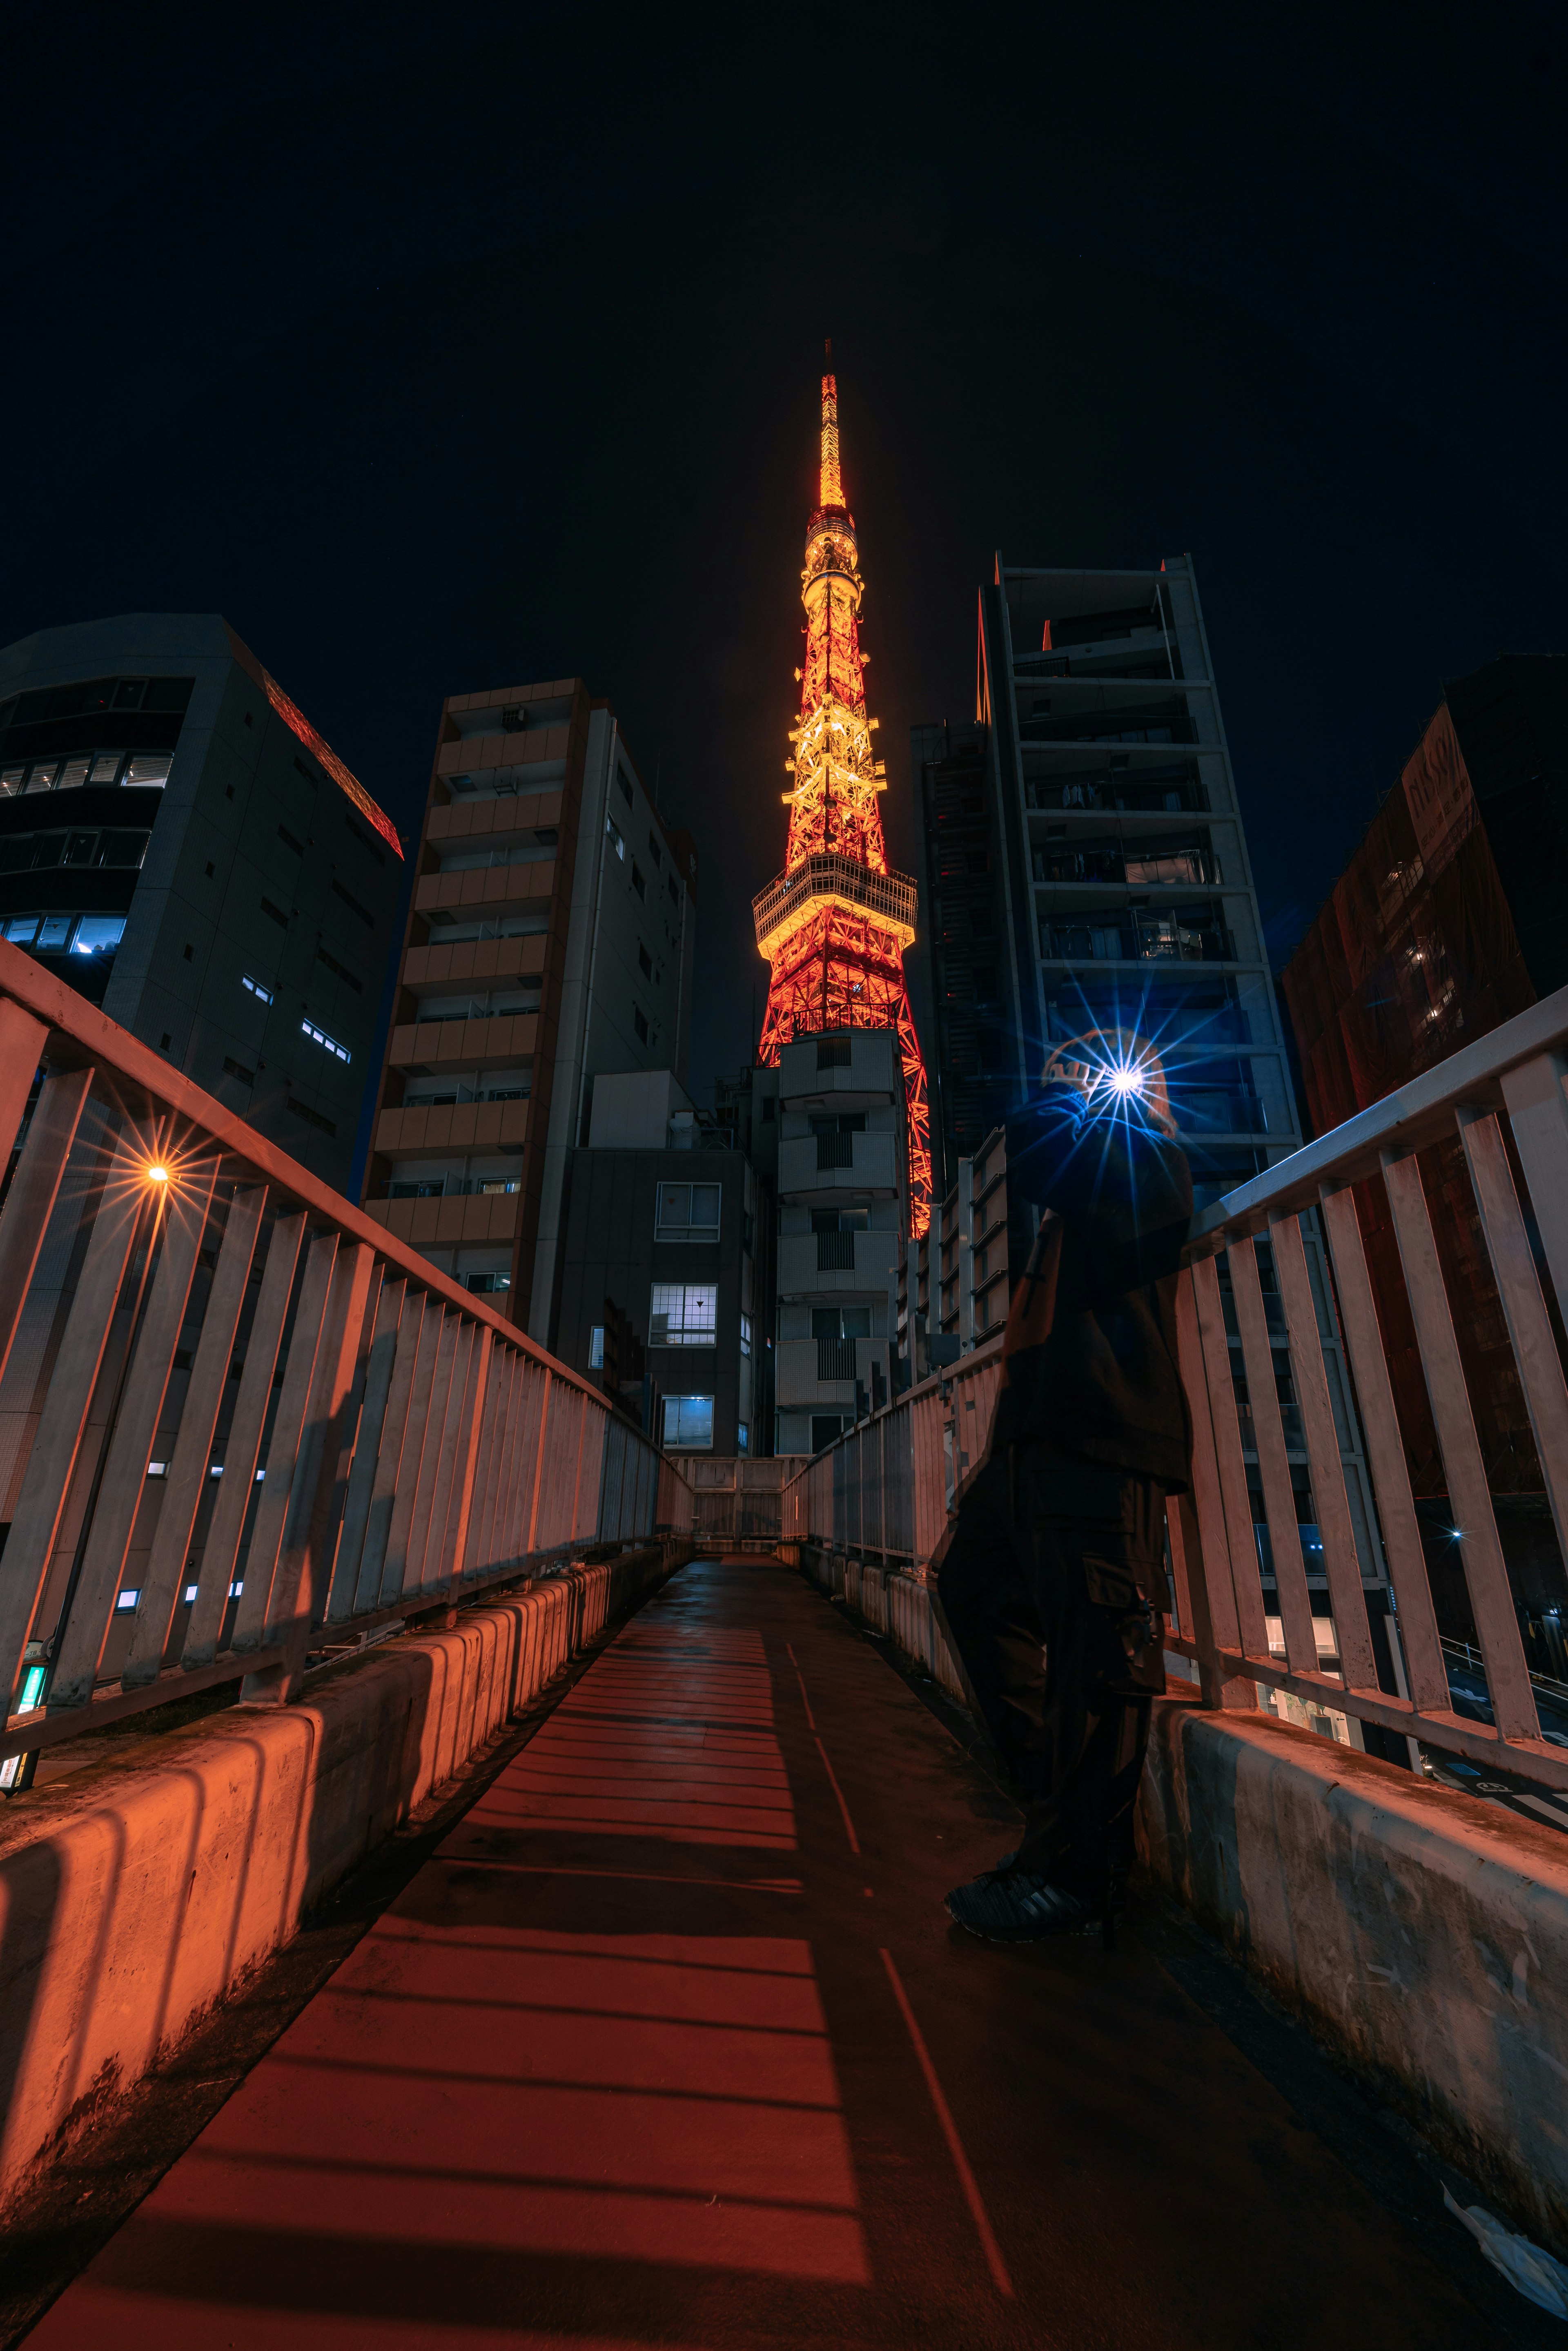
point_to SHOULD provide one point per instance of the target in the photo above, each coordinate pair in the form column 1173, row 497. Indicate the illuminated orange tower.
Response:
column 834, row 925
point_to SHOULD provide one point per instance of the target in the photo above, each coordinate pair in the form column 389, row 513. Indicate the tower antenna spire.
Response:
column 834, row 925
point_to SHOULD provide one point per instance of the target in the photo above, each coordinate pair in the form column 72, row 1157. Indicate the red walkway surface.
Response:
column 672, row 2045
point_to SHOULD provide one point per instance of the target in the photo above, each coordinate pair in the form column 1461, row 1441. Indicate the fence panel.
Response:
column 235, row 1414
column 884, row 1492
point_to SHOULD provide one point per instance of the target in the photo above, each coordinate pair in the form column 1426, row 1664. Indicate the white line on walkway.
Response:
column 849, row 1824
column 993, row 2252
column 800, row 1677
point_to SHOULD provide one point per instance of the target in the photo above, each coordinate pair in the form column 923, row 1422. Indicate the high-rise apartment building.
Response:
column 1450, row 917
column 1086, row 868
column 1086, row 865
column 549, row 940
column 666, row 1256
column 843, row 1214
column 179, row 843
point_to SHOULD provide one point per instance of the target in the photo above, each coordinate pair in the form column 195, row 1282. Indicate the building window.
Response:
column 683, row 1315
column 769, row 1109
column 644, row 961
column 320, row 1037
column 687, row 1212
column 614, row 830
column 624, row 782
column 674, row 895
column 745, row 1334
column 825, row 1427
column 653, row 850
column 596, row 1348
column 55, row 934
column 742, row 1437
column 255, row 988
column 638, row 883
column 640, row 1025
column 688, row 1423
column 484, row 1283
column 840, row 1321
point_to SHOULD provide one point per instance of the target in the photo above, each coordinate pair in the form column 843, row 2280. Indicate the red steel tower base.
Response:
column 834, row 925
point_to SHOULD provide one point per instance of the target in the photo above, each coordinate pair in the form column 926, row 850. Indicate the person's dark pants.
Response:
column 1053, row 1588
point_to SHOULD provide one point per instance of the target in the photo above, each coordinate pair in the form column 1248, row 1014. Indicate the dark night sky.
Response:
column 448, row 349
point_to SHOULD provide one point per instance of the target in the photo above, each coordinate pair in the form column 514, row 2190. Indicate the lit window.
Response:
column 105, row 767
column 320, row 1037
column 689, row 1212
column 688, row 1421
column 235, row 1589
column 596, row 1348
column 683, row 1315
column 614, row 830
column 217, row 1470
column 191, row 1590
column 255, row 987
column 152, row 772
column 157, row 1469
column 745, row 1334
column 126, row 1599
column 743, row 1437
column 98, row 933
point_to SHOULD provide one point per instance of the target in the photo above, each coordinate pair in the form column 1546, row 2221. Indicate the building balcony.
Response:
column 459, row 1044
column 437, row 1129
column 855, row 1165
column 820, row 1375
column 486, row 889
column 509, row 817
column 477, row 753
column 821, row 1265
column 448, row 1223
column 472, row 963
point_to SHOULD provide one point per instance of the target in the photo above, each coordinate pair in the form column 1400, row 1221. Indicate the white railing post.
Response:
column 1481, row 1550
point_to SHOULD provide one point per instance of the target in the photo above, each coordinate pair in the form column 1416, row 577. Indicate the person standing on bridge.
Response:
column 1059, row 1543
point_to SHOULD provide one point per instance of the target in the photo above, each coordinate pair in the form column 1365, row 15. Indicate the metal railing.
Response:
column 825, row 874
column 888, row 1486
column 239, row 1423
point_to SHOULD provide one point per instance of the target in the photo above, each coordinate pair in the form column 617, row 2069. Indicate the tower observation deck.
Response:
column 834, row 925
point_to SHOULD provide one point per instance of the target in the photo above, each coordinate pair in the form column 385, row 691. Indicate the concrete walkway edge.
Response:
column 1421, row 1933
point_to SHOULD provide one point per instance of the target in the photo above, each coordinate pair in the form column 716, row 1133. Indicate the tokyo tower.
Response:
column 834, row 925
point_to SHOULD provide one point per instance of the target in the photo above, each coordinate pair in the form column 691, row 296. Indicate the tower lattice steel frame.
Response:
column 834, row 925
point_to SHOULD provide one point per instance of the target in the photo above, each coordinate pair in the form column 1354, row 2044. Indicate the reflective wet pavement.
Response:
column 671, row 2043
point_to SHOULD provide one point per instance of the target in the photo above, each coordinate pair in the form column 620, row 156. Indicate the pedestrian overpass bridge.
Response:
column 548, row 1946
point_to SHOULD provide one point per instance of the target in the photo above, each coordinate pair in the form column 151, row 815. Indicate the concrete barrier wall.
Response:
column 137, row 1893
column 1422, row 1934
column 895, row 1603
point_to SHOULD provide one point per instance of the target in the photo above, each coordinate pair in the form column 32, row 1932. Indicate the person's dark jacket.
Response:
column 1090, row 1353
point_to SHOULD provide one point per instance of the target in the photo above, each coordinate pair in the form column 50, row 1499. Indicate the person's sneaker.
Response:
column 1015, row 1907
